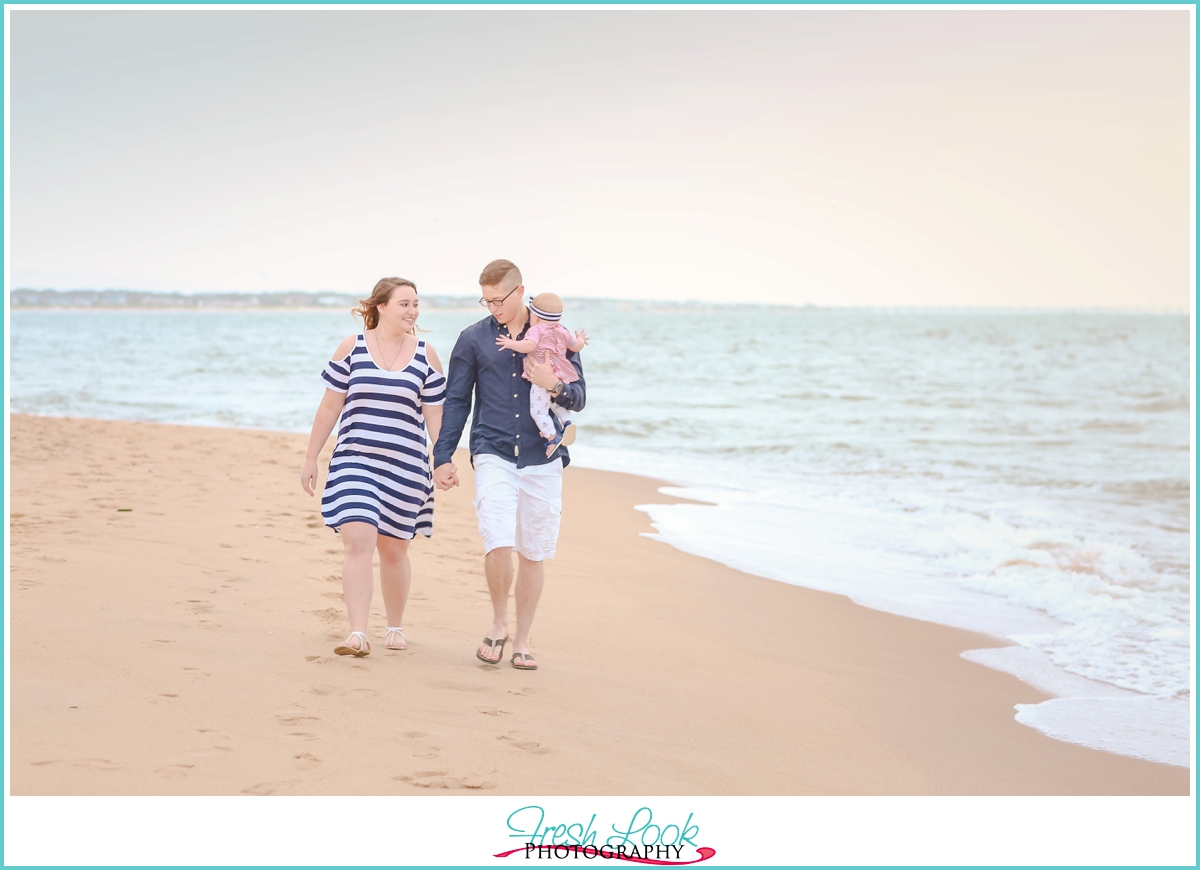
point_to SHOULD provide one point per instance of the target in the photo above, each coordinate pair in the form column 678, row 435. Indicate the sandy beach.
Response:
column 175, row 599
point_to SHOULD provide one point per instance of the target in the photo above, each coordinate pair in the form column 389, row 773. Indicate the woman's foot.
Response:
column 395, row 638
column 355, row 645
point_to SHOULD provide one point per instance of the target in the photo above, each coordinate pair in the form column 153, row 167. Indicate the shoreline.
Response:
column 761, row 687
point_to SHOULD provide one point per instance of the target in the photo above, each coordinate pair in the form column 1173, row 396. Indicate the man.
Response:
column 518, row 488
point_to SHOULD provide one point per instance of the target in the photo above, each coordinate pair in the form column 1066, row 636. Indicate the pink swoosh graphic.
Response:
column 705, row 854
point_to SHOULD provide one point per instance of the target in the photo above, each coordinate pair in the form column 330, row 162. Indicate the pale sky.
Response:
column 834, row 157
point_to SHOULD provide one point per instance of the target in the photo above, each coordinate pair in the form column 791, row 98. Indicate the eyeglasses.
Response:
column 496, row 303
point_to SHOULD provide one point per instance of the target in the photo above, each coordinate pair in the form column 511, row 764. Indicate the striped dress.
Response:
column 379, row 473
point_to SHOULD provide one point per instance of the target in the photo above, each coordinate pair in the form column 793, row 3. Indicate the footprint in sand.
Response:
column 43, row 763
column 323, row 690
column 492, row 711
column 295, row 718
column 443, row 779
column 523, row 742
column 449, row 684
column 415, row 734
column 306, row 761
column 526, row 691
column 281, row 787
column 174, row 771
column 97, row 764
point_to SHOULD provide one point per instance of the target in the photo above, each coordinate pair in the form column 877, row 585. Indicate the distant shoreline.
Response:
column 23, row 299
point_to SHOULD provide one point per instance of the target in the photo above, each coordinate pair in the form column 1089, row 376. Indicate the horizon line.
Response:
column 688, row 303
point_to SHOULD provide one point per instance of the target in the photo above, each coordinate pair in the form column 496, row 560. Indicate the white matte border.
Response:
column 470, row 830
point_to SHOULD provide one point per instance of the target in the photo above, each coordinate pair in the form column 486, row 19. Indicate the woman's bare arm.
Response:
column 327, row 416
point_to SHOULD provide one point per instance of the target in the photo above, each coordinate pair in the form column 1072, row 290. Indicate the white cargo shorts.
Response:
column 518, row 507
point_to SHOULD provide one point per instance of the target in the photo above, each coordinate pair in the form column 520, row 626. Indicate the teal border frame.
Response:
column 452, row 4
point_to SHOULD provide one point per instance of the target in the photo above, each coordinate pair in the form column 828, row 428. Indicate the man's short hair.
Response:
column 496, row 271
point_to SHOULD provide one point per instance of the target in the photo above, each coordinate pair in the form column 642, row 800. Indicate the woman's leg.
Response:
column 357, row 574
column 395, row 575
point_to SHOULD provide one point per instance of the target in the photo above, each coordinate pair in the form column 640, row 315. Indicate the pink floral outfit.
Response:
column 552, row 345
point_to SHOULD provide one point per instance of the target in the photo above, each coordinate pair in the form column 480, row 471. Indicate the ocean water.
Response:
column 1023, row 475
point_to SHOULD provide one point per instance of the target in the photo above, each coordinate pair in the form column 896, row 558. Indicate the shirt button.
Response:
column 518, row 415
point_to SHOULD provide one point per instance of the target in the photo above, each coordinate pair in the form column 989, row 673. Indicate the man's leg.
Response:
column 530, row 575
column 539, row 510
column 497, row 567
column 496, row 507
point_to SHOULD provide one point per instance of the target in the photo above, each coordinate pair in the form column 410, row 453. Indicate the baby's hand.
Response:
column 581, row 335
column 503, row 342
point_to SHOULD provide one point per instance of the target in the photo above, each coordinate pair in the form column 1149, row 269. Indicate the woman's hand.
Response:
column 308, row 476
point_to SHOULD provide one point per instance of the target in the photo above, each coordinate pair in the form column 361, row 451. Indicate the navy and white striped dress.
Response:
column 379, row 473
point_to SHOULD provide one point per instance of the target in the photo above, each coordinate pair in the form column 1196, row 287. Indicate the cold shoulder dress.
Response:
column 379, row 472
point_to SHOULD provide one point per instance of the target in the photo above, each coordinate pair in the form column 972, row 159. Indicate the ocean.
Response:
column 1026, row 475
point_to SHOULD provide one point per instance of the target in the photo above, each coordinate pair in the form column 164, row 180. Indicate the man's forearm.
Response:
column 454, row 420
column 460, row 384
column 574, row 395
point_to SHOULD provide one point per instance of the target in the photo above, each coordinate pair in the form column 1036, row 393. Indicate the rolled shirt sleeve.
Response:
column 574, row 395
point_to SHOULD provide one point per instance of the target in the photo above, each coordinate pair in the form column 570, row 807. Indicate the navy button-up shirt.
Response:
column 501, row 424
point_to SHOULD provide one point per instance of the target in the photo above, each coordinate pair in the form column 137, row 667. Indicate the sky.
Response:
column 828, row 157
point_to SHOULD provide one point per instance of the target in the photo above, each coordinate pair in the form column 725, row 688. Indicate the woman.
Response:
column 388, row 387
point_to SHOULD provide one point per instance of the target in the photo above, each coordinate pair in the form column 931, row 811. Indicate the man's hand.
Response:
column 445, row 476
column 540, row 373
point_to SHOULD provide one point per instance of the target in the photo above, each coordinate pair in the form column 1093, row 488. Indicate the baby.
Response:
column 547, row 340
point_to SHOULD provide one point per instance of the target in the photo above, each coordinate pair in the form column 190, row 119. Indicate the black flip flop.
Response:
column 492, row 641
column 524, row 658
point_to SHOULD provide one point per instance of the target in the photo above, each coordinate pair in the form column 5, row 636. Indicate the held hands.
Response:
column 308, row 476
column 445, row 476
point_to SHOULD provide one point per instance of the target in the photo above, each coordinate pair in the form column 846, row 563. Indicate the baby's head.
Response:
column 545, row 307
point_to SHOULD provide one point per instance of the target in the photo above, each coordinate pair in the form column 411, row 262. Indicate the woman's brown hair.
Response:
column 368, row 309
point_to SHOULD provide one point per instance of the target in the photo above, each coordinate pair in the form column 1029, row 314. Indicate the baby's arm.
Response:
column 506, row 343
column 577, row 343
